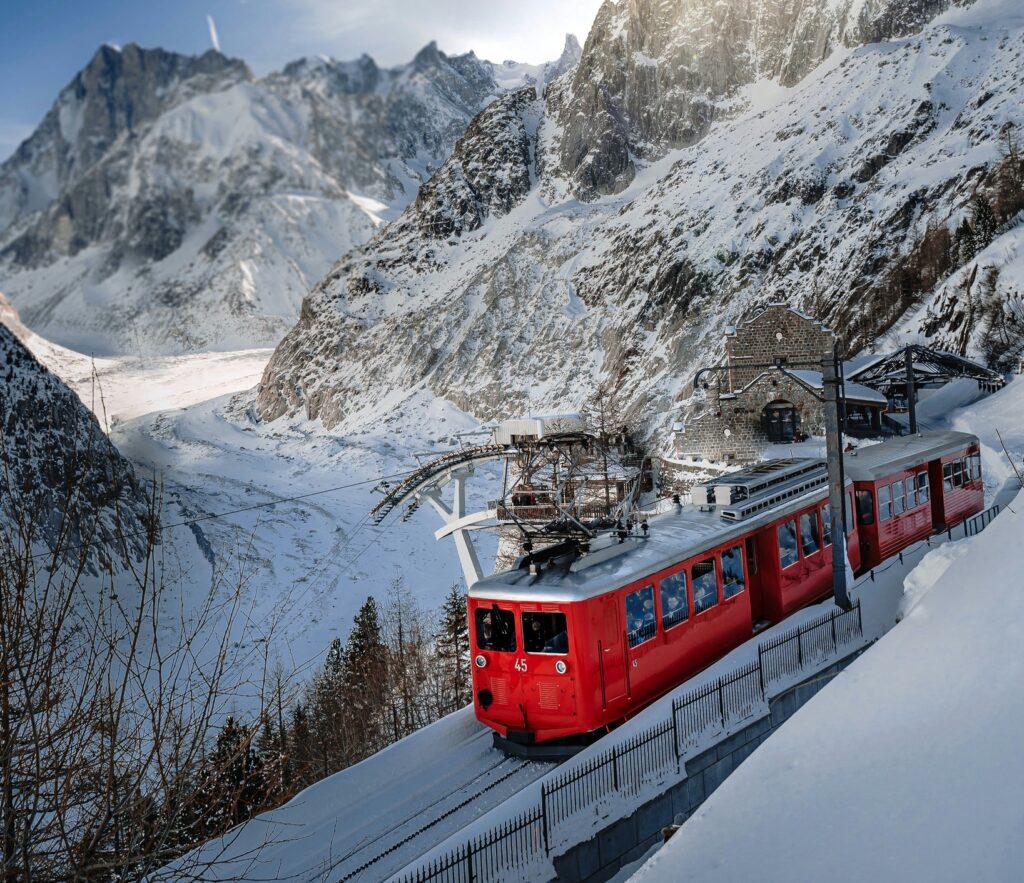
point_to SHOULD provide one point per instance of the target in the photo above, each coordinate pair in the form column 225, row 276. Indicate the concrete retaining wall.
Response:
column 626, row 840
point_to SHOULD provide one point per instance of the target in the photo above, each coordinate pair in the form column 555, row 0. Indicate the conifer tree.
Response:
column 983, row 222
column 364, row 683
column 452, row 645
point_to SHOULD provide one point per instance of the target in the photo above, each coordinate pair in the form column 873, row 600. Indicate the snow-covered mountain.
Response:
column 574, row 236
column 171, row 203
column 62, row 483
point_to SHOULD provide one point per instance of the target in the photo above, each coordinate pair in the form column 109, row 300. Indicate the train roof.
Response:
column 673, row 536
column 691, row 529
column 878, row 461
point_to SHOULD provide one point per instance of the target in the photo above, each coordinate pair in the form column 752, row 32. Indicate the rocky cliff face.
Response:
column 169, row 203
column 501, row 295
column 60, row 474
column 655, row 74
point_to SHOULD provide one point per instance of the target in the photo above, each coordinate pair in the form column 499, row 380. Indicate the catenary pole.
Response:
column 834, row 460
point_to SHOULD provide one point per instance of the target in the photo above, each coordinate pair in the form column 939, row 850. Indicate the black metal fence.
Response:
column 647, row 757
column 487, row 857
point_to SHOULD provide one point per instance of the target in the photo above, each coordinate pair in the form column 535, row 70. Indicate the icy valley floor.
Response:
column 303, row 567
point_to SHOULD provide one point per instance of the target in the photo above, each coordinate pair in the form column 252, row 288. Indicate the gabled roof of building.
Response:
column 732, row 330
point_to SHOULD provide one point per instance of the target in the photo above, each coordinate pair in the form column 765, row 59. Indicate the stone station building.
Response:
column 749, row 406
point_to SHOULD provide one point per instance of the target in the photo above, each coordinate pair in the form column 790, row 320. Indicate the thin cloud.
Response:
column 213, row 32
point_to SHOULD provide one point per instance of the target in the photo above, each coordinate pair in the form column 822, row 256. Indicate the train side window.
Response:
column 705, row 585
column 732, row 572
column 898, row 500
column 787, row 544
column 848, row 513
column 675, row 606
column 911, row 488
column 640, row 616
column 922, row 487
column 975, row 466
column 947, row 476
column 826, row 525
column 545, row 633
column 810, row 541
column 884, row 503
column 495, row 629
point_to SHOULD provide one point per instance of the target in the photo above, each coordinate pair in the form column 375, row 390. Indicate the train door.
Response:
column 758, row 613
column 938, row 495
column 610, row 651
column 641, row 629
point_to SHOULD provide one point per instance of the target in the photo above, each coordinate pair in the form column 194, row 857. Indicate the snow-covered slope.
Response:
column 63, row 485
column 908, row 765
column 171, row 204
column 501, row 290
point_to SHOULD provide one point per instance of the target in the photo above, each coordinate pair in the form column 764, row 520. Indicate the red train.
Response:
column 570, row 642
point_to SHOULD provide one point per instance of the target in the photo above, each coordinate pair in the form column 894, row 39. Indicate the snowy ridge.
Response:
column 807, row 200
column 171, row 204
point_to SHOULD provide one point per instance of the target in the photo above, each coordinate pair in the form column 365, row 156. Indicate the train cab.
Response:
column 908, row 488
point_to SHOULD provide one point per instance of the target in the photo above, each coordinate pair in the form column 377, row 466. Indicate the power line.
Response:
column 188, row 522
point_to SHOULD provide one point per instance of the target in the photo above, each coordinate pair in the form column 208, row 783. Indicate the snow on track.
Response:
column 371, row 820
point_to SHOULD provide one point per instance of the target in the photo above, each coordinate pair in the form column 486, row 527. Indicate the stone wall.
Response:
column 776, row 332
column 627, row 840
column 730, row 427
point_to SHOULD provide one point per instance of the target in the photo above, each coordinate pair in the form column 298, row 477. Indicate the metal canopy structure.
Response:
column 888, row 373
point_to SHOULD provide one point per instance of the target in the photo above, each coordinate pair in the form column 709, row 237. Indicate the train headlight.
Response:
column 480, row 661
column 561, row 667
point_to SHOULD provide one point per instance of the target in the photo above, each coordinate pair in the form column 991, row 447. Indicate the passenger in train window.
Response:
column 545, row 633
column 495, row 629
column 732, row 572
column 922, row 487
column 810, row 542
column 636, row 610
column 826, row 525
column 787, row 544
column 898, row 501
column 884, row 503
column 865, row 507
column 675, row 607
column 705, row 585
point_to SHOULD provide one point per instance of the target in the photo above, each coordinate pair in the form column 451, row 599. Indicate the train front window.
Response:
column 865, row 507
column 675, row 606
column 495, row 629
column 787, row 544
column 810, row 542
column 705, row 585
column 640, row 620
column 545, row 633
column 732, row 572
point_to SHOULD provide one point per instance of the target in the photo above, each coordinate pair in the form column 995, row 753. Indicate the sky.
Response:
column 44, row 43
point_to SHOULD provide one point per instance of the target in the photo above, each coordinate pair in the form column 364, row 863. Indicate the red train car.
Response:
column 571, row 641
column 911, row 487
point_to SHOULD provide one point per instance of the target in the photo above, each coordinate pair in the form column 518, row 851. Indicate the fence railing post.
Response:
column 835, row 643
column 860, row 620
column 800, row 646
column 469, row 861
column 544, row 817
column 675, row 734
column 721, row 701
column 615, row 767
column 760, row 668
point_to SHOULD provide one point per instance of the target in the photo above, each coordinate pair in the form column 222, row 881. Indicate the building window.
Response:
column 826, row 525
column 675, row 606
column 865, row 507
column 495, row 629
column 640, row 615
column 732, row 572
column 898, row 501
column 884, row 503
column 787, row 544
column 705, row 585
column 545, row 633
column 810, row 541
